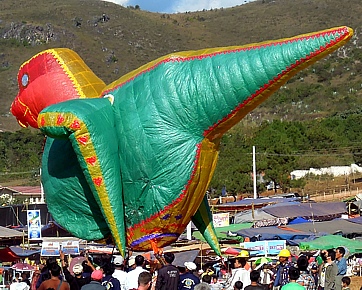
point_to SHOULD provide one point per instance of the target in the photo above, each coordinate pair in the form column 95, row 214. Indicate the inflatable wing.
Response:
column 136, row 162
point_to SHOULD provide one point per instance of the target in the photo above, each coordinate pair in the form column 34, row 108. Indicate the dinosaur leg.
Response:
column 203, row 221
column 89, row 125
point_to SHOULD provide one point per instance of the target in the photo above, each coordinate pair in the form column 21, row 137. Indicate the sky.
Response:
column 175, row 6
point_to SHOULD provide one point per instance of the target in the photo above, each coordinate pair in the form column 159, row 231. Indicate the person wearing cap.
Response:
column 95, row 283
column 266, row 276
column 132, row 264
column 315, row 274
column 78, row 280
column 188, row 280
column 168, row 276
column 282, row 276
column 132, row 276
column 239, row 273
column 119, row 272
column 244, row 254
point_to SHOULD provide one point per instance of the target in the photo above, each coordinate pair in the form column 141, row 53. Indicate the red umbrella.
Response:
column 22, row 267
column 232, row 251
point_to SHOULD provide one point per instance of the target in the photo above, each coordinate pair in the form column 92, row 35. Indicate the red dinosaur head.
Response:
column 50, row 77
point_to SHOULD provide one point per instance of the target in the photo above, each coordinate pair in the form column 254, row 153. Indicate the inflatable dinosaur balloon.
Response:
column 134, row 158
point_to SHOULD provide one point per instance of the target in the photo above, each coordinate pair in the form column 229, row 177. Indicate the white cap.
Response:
column 190, row 265
column 131, row 261
column 77, row 269
column 118, row 260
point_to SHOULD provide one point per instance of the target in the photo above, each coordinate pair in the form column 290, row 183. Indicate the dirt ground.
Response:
column 356, row 283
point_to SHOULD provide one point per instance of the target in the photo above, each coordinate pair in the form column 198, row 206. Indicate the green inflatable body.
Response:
column 134, row 159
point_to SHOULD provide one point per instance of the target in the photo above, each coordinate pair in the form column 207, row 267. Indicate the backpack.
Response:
column 108, row 284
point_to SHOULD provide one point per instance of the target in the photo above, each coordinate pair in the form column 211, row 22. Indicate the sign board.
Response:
column 70, row 247
column 50, row 249
column 34, row 224
column 265, row 248
column 220, row 219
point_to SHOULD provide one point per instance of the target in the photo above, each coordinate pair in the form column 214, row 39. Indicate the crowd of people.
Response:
column 326, row 272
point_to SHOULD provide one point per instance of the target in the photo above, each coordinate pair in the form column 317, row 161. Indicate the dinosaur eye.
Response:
column 25, row 80
column 110, row 97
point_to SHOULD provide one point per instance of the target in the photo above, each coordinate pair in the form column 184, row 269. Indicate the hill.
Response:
column 114, row 40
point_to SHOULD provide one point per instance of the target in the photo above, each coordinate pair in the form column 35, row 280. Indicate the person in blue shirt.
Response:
column 282, row 275
column 342, row 266
column 188, row 280
column 108, row 281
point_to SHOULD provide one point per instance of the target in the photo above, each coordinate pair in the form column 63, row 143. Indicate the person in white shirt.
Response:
column 132, row 276
column 238, row 274
column 119, row 272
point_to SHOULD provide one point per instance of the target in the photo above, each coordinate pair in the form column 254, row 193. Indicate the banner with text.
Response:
column 70, row 247
column 50, row 249
column 264, row 248
column 220, row 219
column 34, row 224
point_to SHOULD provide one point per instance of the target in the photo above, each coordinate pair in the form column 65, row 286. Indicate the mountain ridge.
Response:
column 114, row 40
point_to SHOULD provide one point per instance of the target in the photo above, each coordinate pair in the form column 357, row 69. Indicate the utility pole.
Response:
column 254, row 174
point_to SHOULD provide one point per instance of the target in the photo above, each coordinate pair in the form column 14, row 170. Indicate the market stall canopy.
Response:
column 249, row 203
column 298, row 220
column 357, row 220
column 9, row 237
column 187, row 256
column 23, row 253
column 9, row 233
column 275, row 233
column 251, row 216
column 6, row 255
column 340, row 226
column 332, row 241
column 53, row 229
column 226, row 233
column 316, row 211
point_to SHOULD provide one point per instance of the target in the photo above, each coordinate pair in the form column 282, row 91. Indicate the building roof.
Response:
column 9, row 233
column 27, row 190
column 340, row 226
column 292, row 236
column 320, row 211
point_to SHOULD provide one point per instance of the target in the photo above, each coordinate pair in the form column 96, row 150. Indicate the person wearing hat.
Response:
column 188, row 280
column 282, row 276
column 266, row 276
column 95, row 283
column 244, row 254
column 119, row 272
column 78, row 280
column 314, row 272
